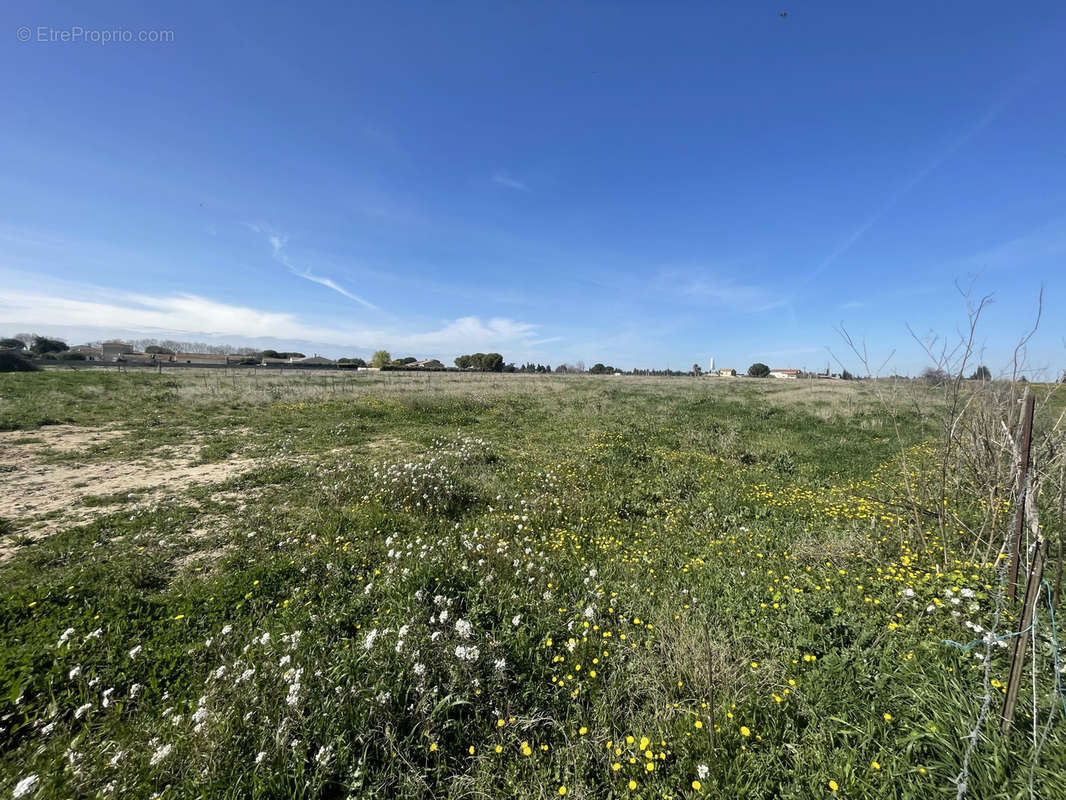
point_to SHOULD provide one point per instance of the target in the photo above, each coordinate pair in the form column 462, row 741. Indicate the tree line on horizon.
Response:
column 36, row 346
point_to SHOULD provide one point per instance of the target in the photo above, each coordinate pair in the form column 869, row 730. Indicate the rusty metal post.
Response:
column 1019, row 515
column 1032, row 597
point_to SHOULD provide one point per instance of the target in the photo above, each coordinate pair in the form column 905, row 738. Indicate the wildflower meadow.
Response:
column 507, row 586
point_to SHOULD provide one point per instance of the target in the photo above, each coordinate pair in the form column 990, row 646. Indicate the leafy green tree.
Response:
column 159, row 350
column 486, row 362
column 12, row 361
column 12, row 344
column 42, row 345
column 982, row 373
column 380, row 359
column 697, row 370
column 758, row 370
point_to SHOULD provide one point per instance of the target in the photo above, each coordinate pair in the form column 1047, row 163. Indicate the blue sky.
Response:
column 644, row 184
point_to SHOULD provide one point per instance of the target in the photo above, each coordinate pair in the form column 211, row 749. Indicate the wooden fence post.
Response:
column 1019, row 515
column 1032, row 597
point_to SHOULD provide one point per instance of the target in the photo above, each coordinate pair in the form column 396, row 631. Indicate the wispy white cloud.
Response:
column 739, row 297
column 330, row 284
column 511, row 183
column 852, row 304
column 278, row 243
column 91, row 309
column 1046, row 244
column 911, row 183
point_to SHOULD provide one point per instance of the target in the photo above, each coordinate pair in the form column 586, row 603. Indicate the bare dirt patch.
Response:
column 43, row 498
column 16, row 446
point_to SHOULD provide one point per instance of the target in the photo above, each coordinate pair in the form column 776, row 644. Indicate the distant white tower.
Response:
column 711, row 369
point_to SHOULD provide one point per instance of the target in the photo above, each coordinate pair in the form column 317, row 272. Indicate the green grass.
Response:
column 698, row 548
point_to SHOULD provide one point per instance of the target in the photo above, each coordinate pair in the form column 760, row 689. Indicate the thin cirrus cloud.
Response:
column 500, row 179
column 278, row 243
column 737, row 296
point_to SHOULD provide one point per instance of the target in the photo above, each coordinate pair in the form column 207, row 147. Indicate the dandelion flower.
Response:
column 632, row 785
column 562, row 790
column 697, row 785
column 833, row 786
column 745, row 731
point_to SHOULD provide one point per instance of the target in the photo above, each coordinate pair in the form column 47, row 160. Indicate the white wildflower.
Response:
column 160, row 754
column 133, row 653
column 81, row 710
column 463, row 628
column 65, row 637
column 74, row 673
column 467, row 652
column 260, row 756
column 25, row 786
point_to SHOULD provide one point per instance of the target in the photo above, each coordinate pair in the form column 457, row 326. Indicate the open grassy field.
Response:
column 333, row 585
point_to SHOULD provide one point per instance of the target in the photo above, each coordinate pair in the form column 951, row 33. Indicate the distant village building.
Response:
column 429, row 363
column 314, row 359
column 199, row 358
column 140, row 358
column 788, row 374
column 727, row 372
column 110, row 351
column 90, row 353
